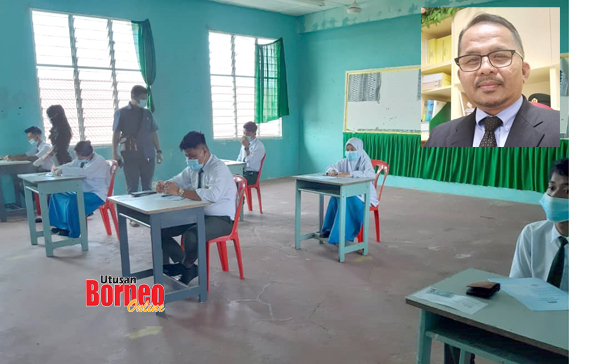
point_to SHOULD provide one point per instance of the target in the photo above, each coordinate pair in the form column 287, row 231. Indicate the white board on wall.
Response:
column 386, row 99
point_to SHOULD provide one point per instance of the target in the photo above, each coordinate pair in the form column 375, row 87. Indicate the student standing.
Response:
column 357, row 164
column 60, row 134
column 134, row 134
column 63, row 206
column 252, row 152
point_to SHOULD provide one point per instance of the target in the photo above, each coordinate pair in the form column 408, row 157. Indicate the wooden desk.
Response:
column 157, row 213
column 237, row 168
column 45, row 185
column 13, row 168
column 335, row 187
column 505, row 330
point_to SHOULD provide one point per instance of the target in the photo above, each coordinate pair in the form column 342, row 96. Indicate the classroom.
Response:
column 299, row 278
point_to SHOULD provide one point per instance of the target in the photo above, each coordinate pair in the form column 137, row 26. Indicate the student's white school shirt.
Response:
column 95, row 171
column 218, row 187
column 39, row 151
column 536, row 248
column 257, row 152
column 365, row 170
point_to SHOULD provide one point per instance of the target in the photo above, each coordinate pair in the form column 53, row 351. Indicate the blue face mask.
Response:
column 352, row 155
column 250, row 139
column 557, row 209
column 194, row 164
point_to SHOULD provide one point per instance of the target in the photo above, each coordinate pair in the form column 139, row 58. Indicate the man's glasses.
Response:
column 498, row 59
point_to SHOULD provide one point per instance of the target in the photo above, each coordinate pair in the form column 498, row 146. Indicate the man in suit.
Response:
column 492, row 71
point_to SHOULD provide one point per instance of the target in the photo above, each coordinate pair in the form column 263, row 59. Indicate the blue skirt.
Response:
column 63, row 210
column 354, row 219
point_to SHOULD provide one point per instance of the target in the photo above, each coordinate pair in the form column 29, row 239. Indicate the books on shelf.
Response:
column 435, row 80
column 437, row 50
column 431, row 51
column 433, row 108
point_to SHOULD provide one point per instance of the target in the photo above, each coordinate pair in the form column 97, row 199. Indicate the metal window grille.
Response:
column 88, row 65
column 232, row 63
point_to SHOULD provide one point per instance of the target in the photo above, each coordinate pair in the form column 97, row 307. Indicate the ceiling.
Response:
column 290, row 7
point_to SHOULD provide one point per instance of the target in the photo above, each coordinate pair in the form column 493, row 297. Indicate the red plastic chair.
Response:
column 380, row 166
column 220, row 241
column 257, row 186
column 109, row 206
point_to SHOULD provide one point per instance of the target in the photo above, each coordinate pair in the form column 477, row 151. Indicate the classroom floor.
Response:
column 295, row 306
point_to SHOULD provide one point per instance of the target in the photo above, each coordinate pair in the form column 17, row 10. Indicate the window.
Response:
column 88, row 65
column 232, row 59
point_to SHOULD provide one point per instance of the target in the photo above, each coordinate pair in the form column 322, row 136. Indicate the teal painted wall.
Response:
column 386, row 43
column 182, row 86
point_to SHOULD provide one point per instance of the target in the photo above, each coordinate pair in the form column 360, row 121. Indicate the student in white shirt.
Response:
column 252, row 152
column 39, row 154
column 357, row 164
column 206, row 178
column 543, row 247
column 539, row 244
column 63, row 206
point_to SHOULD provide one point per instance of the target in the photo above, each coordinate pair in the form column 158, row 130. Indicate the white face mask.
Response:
column 142, row 103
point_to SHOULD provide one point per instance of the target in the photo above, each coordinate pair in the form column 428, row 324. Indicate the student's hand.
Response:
column 158, row 158
column 56, row 172
column 245, row 142
column 332, row 173
column 160, row 187
column 171, row 189
column 344, row 175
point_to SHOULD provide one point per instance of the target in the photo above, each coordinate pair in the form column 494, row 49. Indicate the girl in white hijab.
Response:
column 357, row 164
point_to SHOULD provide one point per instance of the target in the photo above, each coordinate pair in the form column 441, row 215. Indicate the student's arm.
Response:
column 96, row 168
column 366, row 171
column 157, row 146
column 116, row 136
column 180, row 179
column 242, row 154
column 521, row 265
column 42, row 155
column 257, row 152
column 337, row 167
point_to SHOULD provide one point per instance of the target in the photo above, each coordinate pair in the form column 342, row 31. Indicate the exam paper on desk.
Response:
column 536, row 294
column 461, row 303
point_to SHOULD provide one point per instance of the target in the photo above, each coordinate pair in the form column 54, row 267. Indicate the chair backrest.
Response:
column 380, row 166
column 241, row 184
column 113, row 166
column 262, row 162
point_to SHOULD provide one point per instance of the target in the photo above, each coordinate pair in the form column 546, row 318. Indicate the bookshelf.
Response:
column 539, row 30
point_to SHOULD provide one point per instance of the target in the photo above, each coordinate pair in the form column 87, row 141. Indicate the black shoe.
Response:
column 173, row 270
column 189, row 274
column 38, row 220
column 63, row 232
column 54, row 230
column 325, row 234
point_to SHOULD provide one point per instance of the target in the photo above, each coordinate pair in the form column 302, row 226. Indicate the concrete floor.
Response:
column 295, row 306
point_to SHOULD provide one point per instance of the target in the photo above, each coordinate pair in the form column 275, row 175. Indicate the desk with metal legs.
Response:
column 334, row 187
column 157, row 213
column 45, row 185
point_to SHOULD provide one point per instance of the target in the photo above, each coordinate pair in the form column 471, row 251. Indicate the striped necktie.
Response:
column 489, row 138
column 558, row 264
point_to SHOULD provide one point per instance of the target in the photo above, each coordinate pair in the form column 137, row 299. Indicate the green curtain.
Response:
column 144, row 47
column 516, row 168
column 270, row 82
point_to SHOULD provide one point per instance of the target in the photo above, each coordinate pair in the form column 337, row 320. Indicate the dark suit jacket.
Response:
column 533, row 127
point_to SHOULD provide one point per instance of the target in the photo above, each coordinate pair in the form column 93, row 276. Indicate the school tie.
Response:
column 489, row 138
column 200, row 178
column 558, row 264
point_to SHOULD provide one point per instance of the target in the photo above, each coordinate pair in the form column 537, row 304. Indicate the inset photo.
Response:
column 491, row 77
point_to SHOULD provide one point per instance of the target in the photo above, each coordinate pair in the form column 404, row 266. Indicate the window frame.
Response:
column 233, row 75
column 76, row 68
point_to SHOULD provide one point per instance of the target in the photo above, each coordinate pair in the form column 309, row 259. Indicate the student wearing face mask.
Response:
column 63, row 206
column 542, row 247
column 134, row 135
column 252, row 152
column 206, row 178
column 39, row 153
column 357, row 164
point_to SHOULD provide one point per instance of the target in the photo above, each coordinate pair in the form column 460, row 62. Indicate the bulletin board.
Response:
column 383, row 100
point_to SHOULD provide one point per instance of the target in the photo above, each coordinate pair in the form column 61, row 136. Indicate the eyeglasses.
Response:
column 497, row 59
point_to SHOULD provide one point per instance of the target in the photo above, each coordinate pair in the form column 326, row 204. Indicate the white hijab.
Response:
column 363, row 161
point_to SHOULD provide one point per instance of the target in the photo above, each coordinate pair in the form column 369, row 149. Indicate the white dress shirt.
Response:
column 218, row 187
column 257, row 152
column 536, row 248
column 40, row 151
column 95, row 171
column 507, row 116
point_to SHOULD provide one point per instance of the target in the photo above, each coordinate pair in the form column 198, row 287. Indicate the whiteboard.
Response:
column 386, row 99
